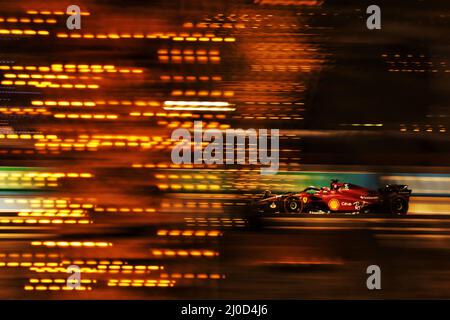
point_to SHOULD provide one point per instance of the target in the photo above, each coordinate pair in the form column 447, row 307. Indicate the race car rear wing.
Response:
column 401, row 189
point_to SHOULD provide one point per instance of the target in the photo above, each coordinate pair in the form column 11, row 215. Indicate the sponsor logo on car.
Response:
column 334, row 204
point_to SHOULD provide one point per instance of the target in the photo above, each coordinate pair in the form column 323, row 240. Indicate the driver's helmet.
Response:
column 334, row 184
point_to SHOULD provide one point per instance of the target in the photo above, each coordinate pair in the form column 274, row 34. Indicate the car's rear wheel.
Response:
column 293, row 205
column 398, row 205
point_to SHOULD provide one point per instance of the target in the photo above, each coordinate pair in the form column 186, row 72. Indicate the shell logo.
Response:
column 334, row 204
column 305, row 199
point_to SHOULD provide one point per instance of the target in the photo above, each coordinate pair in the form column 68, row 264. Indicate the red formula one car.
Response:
column 339, row 198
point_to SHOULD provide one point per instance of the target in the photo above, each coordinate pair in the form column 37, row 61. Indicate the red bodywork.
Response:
column 339, row 197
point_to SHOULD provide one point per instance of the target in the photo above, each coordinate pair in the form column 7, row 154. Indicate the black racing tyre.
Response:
column 293, row 205
column 398, row 205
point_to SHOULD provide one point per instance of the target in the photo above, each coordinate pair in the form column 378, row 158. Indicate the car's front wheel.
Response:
column 293, row 205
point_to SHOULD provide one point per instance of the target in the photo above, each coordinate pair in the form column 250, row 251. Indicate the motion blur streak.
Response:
column 86, row 118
